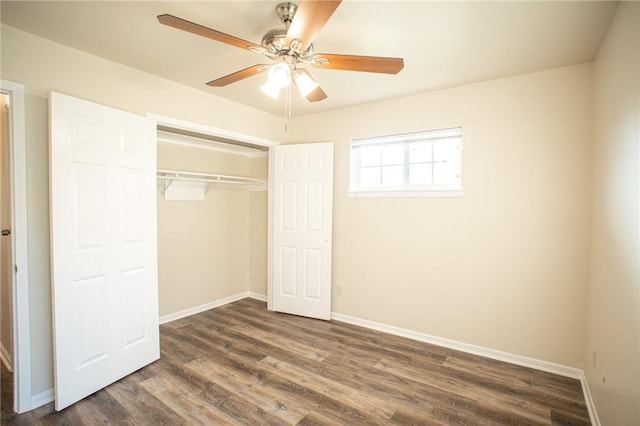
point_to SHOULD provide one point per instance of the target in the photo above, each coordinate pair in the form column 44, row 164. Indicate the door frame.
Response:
column 270, row 187
column 22, row 397
column 205, row 129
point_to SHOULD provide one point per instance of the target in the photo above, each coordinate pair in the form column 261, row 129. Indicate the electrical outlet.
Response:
column 594, row 359
column 339, row 290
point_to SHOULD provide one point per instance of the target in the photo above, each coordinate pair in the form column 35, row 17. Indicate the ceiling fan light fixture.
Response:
column 280, row 75
column 270, row 89
column 306, row 84
column 287, row 48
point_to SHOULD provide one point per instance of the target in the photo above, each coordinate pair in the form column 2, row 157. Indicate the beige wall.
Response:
column 613, row 319
column 505, row 265
column 205, row 249
column 6, row 264
column 258, row 218
column 43, row 66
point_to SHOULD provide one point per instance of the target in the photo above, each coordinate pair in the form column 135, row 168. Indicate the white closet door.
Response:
column 302, row 221
column 104, row 260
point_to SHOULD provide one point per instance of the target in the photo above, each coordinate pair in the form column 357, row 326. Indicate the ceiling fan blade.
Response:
column 203, row 31
column 359, row 63
column 309, row 19
column 317, row 95
column 238, row 75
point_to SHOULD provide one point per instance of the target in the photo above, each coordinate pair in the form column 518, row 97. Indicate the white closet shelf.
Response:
column 175, row 175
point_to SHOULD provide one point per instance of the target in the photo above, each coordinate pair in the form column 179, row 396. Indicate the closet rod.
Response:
column 173, row 175
column 212, row 180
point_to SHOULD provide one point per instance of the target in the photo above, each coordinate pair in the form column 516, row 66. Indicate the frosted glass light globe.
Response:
column 280, row 75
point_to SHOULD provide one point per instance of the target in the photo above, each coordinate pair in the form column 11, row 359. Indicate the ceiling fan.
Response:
column 290, row 47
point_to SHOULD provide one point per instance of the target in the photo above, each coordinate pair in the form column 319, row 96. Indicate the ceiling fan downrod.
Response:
column 286, row 12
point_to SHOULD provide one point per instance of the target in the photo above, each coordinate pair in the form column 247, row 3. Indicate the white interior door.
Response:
column 104, row 256
column 302, row 229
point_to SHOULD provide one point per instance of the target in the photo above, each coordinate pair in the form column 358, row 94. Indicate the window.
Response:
column 409, row 163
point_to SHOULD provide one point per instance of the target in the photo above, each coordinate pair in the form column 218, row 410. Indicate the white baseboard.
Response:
column 591, row 406
column 6, row 358
column 42, row 398
column 258, row 296
column 206, row 306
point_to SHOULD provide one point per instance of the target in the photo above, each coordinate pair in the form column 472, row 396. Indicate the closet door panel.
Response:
column 302, row 230
column 104, row 257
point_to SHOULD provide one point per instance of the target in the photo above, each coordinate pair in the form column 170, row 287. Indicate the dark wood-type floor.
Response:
column 241, row 364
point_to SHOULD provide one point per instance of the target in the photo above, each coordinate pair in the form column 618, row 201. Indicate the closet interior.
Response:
column 212, row 219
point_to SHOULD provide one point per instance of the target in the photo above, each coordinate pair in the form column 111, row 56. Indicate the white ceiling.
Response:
column 444, row 44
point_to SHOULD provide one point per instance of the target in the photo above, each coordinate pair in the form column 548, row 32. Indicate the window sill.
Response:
column 406, row 194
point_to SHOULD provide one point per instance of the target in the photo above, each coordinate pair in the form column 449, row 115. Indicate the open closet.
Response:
column 212, row 219
column 153, row 219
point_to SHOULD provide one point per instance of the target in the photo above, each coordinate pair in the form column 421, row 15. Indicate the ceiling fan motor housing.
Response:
column 274, row 40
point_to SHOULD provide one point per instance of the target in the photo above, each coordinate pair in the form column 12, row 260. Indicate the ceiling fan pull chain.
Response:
column 287, row 108
column 288, row 101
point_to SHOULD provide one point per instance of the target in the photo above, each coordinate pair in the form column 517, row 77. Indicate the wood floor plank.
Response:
column 292, row 345
column 493, row 402
column 539, row 388
column 69, row 416
column 241, row 364
column 393, row 345
column 141, row 406
column 102, row 408
column 322, row 339
column 316, row 419
column 565, row 418
column 181, row 398
column 414, row 417
column 369, row 404
column 251, row 388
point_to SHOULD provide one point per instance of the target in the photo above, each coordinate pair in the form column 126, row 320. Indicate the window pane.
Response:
column 420, row 152
column 393, row 176
column 393, row 154
column 370, row 177
column 420, row 174
column 369, row 156
column 444, row 150
column 444, row 173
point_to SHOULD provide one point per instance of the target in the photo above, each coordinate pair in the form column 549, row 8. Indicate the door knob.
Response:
column 6, row 232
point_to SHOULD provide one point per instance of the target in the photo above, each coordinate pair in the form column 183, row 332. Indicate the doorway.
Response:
column 14, row 171
column 6, row 261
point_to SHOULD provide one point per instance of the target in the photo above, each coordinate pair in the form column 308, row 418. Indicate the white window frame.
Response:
column 452, row 189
